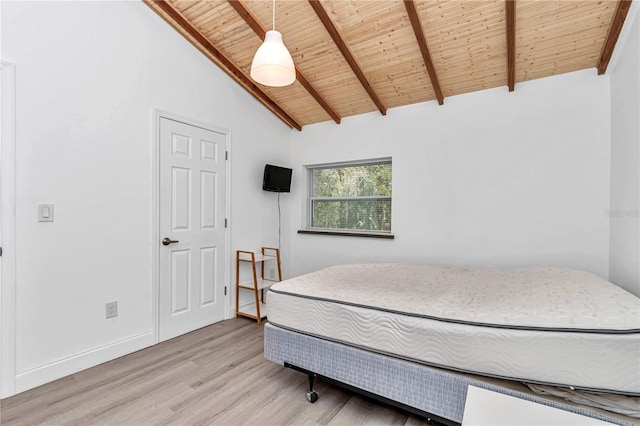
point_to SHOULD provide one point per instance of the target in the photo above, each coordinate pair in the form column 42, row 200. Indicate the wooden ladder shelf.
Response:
column 259, row 283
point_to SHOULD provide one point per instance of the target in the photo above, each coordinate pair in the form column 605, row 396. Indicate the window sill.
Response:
column 347, row 233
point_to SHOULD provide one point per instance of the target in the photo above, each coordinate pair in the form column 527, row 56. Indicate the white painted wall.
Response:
column 490, row 178
column 624, row 71
column 89, row 75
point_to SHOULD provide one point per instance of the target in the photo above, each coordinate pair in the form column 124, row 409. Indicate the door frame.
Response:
column 159, row 114
column 8, row 230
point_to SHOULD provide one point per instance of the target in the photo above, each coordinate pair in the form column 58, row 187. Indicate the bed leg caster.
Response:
column 312, row 396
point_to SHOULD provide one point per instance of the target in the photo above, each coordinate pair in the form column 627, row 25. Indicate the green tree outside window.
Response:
column 352, row 197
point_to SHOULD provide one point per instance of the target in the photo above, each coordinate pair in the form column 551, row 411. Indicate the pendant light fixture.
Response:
column 272, row 64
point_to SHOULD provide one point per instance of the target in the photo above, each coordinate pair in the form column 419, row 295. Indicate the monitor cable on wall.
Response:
column 277, row 179
column 279, row 221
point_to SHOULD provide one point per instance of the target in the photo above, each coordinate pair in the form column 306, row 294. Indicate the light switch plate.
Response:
column 45, row 212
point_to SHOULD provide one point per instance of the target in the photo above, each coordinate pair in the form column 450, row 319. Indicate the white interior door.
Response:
column 192, row 228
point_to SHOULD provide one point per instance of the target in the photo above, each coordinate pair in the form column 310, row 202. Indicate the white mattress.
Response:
column 542, row 325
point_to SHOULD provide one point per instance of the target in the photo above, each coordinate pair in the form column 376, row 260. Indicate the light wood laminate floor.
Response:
column 215, row 375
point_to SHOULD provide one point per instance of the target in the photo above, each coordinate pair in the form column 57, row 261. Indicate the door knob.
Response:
column 166, row 241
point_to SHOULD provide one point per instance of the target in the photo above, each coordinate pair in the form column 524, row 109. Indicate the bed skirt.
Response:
column 439, row 392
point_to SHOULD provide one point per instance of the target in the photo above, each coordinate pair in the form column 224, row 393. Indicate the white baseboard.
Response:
column 247, row 303
column 49, row 372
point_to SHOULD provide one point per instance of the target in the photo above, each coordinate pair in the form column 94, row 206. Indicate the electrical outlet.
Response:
column 272, row 273
column 111, row 309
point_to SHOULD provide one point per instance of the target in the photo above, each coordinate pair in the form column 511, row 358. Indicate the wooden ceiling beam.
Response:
column 202, row 43
column 510, row 12
column 622, row 8
column 257, row 27
column 422, row 42
column 346, row 53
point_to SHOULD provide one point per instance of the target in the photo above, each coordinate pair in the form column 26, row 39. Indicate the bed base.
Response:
column 417, row 388
column 312, row 396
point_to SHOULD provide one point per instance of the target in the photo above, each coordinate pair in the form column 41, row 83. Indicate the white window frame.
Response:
column 337, row 231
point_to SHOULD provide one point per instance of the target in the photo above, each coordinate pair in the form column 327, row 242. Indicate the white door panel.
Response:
column 208, row 267
column 180, row 278
column 192, row 211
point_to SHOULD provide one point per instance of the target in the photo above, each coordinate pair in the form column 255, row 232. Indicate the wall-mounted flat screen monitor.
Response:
column 276, row 179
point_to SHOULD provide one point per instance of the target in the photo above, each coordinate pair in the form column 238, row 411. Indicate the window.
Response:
column 351, row 197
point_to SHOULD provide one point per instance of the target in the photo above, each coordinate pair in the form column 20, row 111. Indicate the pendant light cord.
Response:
column 274, row 15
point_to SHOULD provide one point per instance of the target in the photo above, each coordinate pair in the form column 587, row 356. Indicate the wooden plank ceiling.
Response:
column 358, row 56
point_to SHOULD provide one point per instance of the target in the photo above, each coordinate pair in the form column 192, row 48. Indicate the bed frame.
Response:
column 429, row 392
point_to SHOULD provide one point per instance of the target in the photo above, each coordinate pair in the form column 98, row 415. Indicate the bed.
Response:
column 417, row 335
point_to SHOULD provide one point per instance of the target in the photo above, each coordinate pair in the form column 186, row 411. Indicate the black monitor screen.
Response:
column 276, row 179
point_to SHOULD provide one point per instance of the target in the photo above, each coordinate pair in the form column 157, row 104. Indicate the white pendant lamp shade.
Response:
column 272, row 65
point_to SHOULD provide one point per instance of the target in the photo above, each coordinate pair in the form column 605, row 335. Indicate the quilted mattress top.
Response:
column 531, row 298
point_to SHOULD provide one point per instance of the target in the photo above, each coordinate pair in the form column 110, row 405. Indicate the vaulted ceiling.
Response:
column 358, row 56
